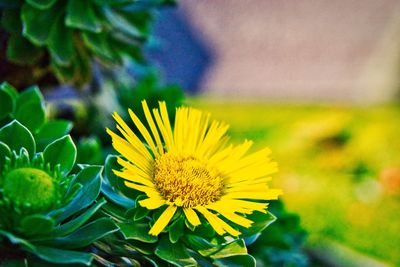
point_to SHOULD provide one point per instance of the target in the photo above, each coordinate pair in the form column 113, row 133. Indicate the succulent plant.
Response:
column 64, row 36
column 47, row 213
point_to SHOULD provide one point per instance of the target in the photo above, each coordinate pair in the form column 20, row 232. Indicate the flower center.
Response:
column 187, row 181
column 29, row 189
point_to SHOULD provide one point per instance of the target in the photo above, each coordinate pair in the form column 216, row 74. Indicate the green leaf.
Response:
column 63, row 256
column 111, row 164
column 90, row 179
column 140, row 213
column 100, row 45
column 236, row 261
column 115, row 197
column 51, row 131
column 121, row 23
column 4, row 152
column 16, row 240
column 175, row 254
column 36, row 224
column 21, row 51
column 176, row 230
column 261, row 221
column 85, row 235
column 62, row 151
column 32, row 114
column 41, row 4
column 80, row 15
column 31, row 94
column 37, row 23
column 201, row 245
column 17, row 136
column 237, row 247
column 77, row 222
column 7, row 99
column 137, row 231
column 61, row 43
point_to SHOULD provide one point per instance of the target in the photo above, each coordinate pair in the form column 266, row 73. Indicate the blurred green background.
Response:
column 339, row 167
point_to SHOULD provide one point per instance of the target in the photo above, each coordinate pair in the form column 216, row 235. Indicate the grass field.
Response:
column 339, row 167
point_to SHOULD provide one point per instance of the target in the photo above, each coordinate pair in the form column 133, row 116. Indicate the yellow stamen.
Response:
column 186, row 181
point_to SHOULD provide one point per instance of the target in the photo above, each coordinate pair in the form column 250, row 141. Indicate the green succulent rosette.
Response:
column 48, row 214
column 67, row 35
column 28, row 108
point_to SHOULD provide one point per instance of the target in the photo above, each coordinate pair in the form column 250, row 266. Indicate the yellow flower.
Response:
column 192, row 168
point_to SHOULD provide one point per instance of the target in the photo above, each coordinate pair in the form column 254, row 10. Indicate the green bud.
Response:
column 30, row 190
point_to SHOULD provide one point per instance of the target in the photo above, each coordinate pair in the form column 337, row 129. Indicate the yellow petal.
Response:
column 146, row 135
column 192, row 216
column 163, row 220
column 268, row 195
column 149, row 191
column 152, row 203
column 153, row 127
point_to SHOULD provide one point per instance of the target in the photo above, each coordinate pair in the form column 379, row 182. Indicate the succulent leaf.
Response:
column 80, row 15
column 61, row 152
column 17, row 136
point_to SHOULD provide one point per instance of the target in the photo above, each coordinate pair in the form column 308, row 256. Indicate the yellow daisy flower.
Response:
column 192, row 168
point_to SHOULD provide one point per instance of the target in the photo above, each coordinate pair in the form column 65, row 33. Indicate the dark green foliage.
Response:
column 281, row 243
column 70, row 33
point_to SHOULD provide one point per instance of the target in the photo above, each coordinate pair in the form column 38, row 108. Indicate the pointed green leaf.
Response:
column 77, row 222
column 51, row 131
column 17, row 136
column 237, row 247
column 121, row 23
column 175, row 254
column 140, row 213
column 110, row 165
column 176, row 230
column 38, row 23
column 260, row 222
column 236, row 261
column 100, row 45
column 80, row 15
column 16, row 240
column 137, row 231
column 41, row 4
column 61, row 256
column 21, row 51
column 31, row 94
column 90, row 180
column 7, row 99
column 61, row 43
column 85, row 235
column 62, row 151
column 30, row 109
column 36, row 224
column 32, row 115
column 201, row 245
